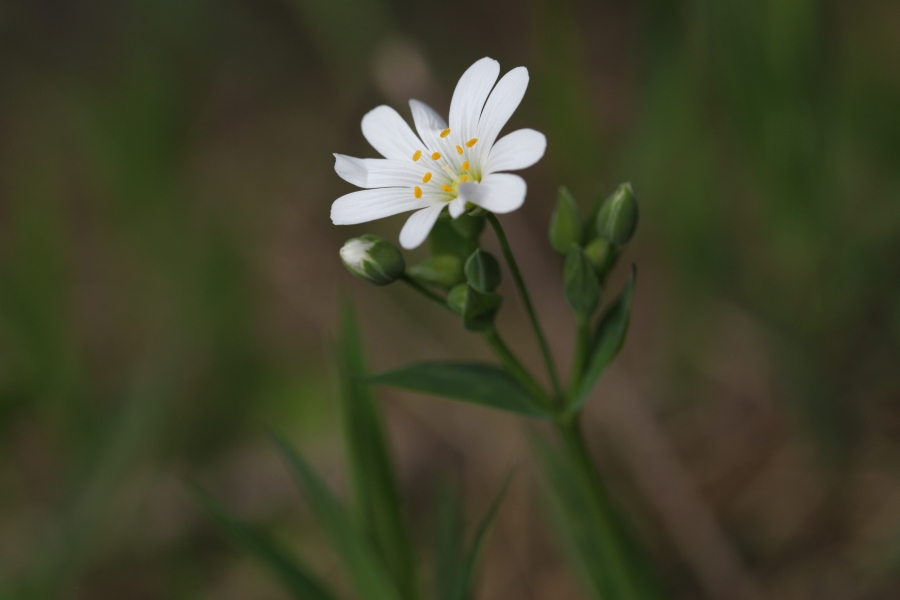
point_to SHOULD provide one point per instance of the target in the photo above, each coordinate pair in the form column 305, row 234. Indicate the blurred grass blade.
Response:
column 450, row 541
column 366, row 571
column 609, row 557
column 477, row 383
column 461, row 587
column 259, row 544
column 608, row 340
column 374, row 482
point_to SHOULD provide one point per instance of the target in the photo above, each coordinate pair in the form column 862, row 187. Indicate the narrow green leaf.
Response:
column 450, row 555
column 470, row 382
column 260, row 545
column 463, row 585
column 607, row 554
column 367, row 572
column 608, row 340
column 374, row 482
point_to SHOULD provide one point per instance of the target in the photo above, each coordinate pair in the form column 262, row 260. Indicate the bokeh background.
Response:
column 169, row 280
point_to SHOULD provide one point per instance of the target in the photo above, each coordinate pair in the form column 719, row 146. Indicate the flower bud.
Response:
column 373, row 258
column 618, row 216
column 565, row 223
column 443, row 270
column 602, row 255
column 456, row 298
column 581, row 284
column 480, row 309
column 483, row 271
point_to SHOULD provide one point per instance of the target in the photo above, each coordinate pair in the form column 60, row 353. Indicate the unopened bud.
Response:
column 373, row 258
column 602, row 255
column 456, row 298
column 565, row 223
column 483, row 271
column 618, row 216
column 443, row 270
column 581, row 283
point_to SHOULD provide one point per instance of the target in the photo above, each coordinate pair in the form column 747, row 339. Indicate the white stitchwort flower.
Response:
column 446, row 164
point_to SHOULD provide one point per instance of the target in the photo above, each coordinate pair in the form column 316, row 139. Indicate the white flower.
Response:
column 445, row 165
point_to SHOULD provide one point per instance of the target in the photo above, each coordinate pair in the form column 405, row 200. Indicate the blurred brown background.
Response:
column 169, row 275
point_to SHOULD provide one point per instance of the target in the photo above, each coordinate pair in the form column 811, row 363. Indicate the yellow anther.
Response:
column 427, row 178
column 436, row 156
column 418, row 192
column 446, row 188
column 464, row 178
column 445, row 133
column 417, row 155
column 471, row 142
column 459, row 149
column 465, row 165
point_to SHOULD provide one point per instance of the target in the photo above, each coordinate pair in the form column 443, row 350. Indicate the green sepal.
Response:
column 602, row 255
column 483, row 271
column 566, row 225
column 581, row 284
column 443, row 270
column 468, row 226
column 456, row 298
column 480, row 309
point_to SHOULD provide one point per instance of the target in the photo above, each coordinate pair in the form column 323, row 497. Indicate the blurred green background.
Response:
column 169, row 276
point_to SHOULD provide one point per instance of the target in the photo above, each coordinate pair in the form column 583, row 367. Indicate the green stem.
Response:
column 582, row 347
column 626, row 580
column 424, row 291
column 515, row 367
column 526, row 299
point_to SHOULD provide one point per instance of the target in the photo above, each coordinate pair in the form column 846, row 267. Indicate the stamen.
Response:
column 445, row 133
column 446, row 188
column 459, row 150
column 465, row 165
column 464, row 178
column 417, row 155
column 436, row 156
column 427, row 177
column 471, row 142
column 418, row 192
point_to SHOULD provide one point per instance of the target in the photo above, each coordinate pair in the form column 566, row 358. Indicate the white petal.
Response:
column 378, row 172
column 469, row 96
column 426, row 118
column 517, row 150
column 418, row 226
column 388, row 133
column 499, row 108
column 499, row 192
column 457, row 207
column 368, row 205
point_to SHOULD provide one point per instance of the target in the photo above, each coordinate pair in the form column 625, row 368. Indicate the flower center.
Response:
column 446, row 172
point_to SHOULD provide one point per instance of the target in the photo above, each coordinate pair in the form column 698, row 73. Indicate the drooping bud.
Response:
column 565, row 224
column 483, row 271
column 443, row 270
column 581, row 283
column 618, row 216
column 373, row 258
column 602, row 255
column 456, row 298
